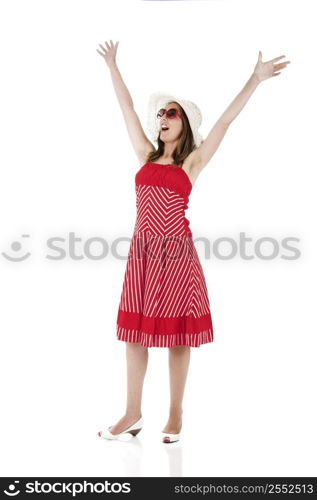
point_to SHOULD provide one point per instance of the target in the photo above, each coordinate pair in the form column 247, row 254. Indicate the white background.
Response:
column 67, row 166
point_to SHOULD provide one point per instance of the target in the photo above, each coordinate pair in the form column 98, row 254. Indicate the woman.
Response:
column 164, row 300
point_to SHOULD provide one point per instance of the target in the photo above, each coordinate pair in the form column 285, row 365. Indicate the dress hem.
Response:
column 168, row 340
column 155, row 325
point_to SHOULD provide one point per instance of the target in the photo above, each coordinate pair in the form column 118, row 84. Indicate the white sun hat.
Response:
column 159, row 100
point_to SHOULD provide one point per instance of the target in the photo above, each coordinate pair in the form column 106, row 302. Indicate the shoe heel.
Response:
column 135, row 432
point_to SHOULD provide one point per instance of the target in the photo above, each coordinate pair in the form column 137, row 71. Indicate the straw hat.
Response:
column 159, row 100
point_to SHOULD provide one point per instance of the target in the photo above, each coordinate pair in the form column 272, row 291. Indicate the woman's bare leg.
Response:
column 137, row 360
column 179, row 357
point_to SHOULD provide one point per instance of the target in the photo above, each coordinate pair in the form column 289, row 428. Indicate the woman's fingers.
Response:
column 277, row 58
column 108, row 52
column 110, row 45
column 102, row 47
column 281, row 65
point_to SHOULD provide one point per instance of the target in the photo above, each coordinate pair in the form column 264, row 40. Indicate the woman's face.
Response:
column 175, row 125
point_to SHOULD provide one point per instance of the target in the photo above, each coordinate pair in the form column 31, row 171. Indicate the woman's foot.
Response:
column 125, row 422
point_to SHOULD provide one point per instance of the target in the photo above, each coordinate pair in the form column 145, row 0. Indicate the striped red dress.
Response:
column 164, row 300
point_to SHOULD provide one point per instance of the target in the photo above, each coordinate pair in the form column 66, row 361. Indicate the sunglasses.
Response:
column 170, row 113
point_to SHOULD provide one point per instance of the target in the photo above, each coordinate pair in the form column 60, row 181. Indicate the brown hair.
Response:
column 184, row 146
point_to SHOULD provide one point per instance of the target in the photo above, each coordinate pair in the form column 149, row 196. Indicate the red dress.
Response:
column 164, row 300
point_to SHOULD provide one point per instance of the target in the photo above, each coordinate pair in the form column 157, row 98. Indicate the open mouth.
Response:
column 164, row 129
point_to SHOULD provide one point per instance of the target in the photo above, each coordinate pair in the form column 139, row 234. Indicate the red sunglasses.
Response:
column 170, row 113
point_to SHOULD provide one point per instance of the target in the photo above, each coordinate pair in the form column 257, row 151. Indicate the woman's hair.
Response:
column 185, row 146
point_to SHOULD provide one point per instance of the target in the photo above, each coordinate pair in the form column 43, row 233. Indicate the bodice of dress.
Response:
column 162, row 196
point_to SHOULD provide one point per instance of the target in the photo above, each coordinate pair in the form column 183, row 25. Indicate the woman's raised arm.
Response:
column 262, row 71
column 141, row 144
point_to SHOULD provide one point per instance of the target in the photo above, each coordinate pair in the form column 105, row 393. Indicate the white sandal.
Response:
column 131, row 431
column 170, row 438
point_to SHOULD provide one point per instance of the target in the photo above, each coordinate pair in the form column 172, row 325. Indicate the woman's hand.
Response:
column 264, row 70
column 110, row 54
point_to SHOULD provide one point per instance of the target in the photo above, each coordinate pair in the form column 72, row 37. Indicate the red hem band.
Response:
column 164, row 332
column 163, row 326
